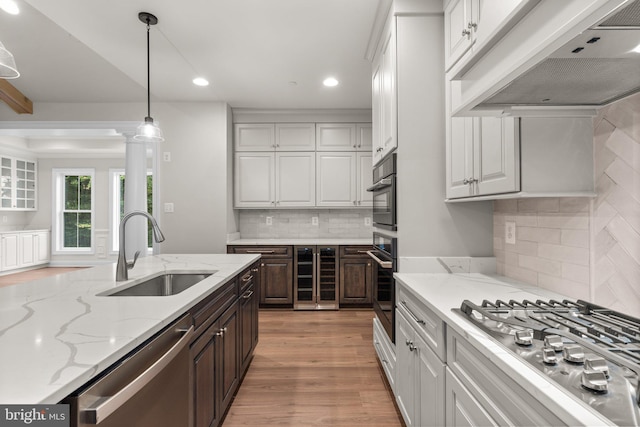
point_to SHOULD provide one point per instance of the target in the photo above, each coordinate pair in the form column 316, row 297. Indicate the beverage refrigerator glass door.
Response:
column 384, row 194
column 384, row 292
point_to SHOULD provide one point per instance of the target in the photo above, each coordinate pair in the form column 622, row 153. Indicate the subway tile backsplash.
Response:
column 298, row 223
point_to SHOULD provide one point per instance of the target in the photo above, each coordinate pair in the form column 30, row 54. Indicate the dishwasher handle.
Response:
column 95, row 415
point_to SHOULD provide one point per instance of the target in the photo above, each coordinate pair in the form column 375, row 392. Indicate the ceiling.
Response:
column 255, row 53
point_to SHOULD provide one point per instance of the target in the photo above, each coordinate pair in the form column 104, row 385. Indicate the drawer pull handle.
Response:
column 382, row 358
column 255, row 270
column 250, row 251
column 247, row 295
column 419, row 321
column 247, row 279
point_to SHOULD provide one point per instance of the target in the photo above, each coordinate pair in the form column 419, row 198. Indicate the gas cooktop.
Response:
column 591, row 351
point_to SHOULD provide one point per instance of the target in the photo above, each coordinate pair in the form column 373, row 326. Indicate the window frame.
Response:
column 57, row 223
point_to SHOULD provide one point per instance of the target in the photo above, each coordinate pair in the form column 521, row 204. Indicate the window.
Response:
column 116, row 186
column 74, row 209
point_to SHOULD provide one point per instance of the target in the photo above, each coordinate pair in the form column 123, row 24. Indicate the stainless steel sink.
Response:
column 161, row 286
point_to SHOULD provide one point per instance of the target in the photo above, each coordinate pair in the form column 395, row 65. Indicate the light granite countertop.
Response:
column 56, row 333
column 308, row 241
column 443, row 292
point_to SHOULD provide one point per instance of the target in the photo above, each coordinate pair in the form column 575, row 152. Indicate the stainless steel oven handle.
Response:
column 383, row 264
column 384, row 182
column 96, row 415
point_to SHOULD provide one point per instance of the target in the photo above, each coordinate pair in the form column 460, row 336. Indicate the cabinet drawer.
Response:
column 211, row 308
column 385, row 351
column 265, row 251
column 424, row 320
column 249, row 277
column 354, row 251
column 500, row 396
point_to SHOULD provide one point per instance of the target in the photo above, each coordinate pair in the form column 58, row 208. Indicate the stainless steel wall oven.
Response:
column 384, row 194
column 384, row 252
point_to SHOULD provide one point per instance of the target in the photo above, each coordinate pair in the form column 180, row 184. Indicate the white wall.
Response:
column 196, row 179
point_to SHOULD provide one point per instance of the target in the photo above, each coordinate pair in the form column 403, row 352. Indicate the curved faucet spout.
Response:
column 123, row 267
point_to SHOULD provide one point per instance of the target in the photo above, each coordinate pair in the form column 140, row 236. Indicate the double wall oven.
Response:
column 385, row 245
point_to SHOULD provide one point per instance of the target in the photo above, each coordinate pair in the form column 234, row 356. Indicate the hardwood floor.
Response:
column 25, row 276
column 314, row 368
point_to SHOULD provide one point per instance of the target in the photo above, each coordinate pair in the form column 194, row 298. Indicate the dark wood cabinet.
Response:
column 215, row 368
column 276, row 273
column 356, row 270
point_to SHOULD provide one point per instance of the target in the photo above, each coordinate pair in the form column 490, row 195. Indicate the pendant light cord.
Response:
column 148, row 74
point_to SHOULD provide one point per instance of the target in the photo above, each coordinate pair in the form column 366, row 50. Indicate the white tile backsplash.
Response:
column 297, row 223
column 585, row 248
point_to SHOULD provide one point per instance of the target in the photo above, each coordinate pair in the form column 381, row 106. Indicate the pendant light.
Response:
column 8, row 68
column 148, row 131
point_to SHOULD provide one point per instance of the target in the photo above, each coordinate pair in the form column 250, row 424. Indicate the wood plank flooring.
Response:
column 25, row 276
column 314, row 368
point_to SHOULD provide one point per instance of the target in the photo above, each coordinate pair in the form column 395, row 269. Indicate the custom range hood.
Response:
column 593, row 67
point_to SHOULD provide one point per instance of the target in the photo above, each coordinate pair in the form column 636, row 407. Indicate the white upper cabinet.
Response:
column 295, row 179
column 336, row 137
column 254, row 180
column 365, row 179
column 336, row 180
column 295, row 136
column 384, row 102
column 460, row 27
column 364, row 137
column 254, row 137
column 17, row 184
column 483, row 156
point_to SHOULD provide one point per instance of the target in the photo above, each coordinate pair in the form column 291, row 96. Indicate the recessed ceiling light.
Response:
column 200, row 81
column 330, row 82
column 9, row 6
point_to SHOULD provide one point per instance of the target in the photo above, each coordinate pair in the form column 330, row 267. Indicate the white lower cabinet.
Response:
column 24, row 249
column 463, row 410
column 420, row 377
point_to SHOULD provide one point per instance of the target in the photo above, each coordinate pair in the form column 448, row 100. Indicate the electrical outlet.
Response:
column 314, row 220
column 269, row 220
column 168, row 207
column 510, row 232
column 166, row 156
column 367, row 220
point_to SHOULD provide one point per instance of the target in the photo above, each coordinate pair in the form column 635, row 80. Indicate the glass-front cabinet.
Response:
column 17, row 184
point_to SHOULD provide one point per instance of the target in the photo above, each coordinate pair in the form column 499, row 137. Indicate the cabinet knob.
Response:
column 466, row 32
column 469, row 181
column 472, row 26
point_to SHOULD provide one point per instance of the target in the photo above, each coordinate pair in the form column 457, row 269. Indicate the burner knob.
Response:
column 554, row 342
column 596, row 363
column 573, row 353
column 595, row 380
column 549, row 356
column 524, row 337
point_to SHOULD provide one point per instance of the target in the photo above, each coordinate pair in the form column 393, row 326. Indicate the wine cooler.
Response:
column 315, row 277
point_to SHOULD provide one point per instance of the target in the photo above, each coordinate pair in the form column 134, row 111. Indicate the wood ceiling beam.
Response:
column 14, row 98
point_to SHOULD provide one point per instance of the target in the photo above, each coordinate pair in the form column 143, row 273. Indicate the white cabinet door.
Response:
column 336, row 137
column 462, row 409
column 405, row 370
column 388, row 92
column 365, row 179
column 461, row 23
column 364, row 139
column 27, row 250
column 10, row 248
column 254, row 137
column 254, row 180
column 460, row 157
column 295, row 136
column 496, row 156
column 42, row 250
column 336, row 179
column 430, row 375
column 295, row 179
column 376, row 111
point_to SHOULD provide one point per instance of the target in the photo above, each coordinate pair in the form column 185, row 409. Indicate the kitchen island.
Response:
column 483, row 377
column 58, row 333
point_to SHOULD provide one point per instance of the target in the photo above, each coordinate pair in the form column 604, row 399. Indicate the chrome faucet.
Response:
column 123, row 267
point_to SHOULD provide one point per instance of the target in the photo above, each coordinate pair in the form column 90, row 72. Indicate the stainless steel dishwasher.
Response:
column 150, row 387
